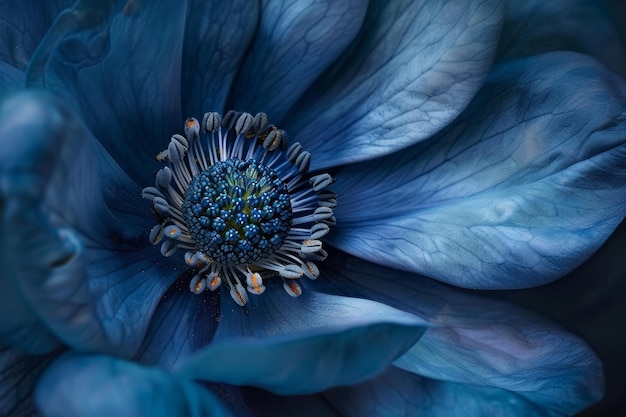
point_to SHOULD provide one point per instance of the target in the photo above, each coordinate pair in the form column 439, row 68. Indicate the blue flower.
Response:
column 481, row 177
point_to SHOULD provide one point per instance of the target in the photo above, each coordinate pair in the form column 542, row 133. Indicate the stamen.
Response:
column 238, row 200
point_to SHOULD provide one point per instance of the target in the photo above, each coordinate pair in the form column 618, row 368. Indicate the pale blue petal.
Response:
column 520, row 190
column 18, row 374
column 101, row 386
column 411, row 70
column 75, row 249
column 217, row 36
column 478, row 341
column 296, row 40
column 121, row 69
column 181, row 324
column 400, row 393
column 583, row 26
column 301, row 345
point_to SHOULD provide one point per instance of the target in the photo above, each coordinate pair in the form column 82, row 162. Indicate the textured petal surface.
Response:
column 18, row 375
column 127, row 93
column 477, row 341
column 520, row 190
column 296, row 40
column 583, row 26
column 217, row 36
column 412, row 69
column 82, row 385
column 401, row 394
column 301, row 345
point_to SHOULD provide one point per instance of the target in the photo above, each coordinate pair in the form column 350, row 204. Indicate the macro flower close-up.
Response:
column 304, row 208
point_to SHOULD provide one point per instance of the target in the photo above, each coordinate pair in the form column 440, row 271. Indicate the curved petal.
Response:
column 84, row 385
column 182, row 323
column 23, row 25
column 217, row 36
column 18, row 374
column 294, row 43
column 582, row 26
column 11, row 78
column 127, row 92
column 301, row 345
column 400, row 393
column 520, row 190
column 478, row 341
column 67, row 257
column 411, row 70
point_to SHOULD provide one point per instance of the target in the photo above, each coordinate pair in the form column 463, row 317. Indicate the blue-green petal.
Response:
column 477, row 341
column 294, row 43
column 518, row 191
column 78, row 385
column 400, row 393
column 411, row 70
column 18, row 374
column 121, row 70
column 301, row 345
column 217, row 37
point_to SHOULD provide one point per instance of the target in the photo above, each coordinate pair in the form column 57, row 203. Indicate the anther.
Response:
column 168, row 248
column 244, row 123
column 161, row 205
column 156, row 234
column 260, row 122
column 151, row 193
column 211, row 121
column 321, row 181
column 303, row 162
column 311, row 270
column 273, row 140
column 238, row 293
column 310, row 246
column 163, row 177
column 319, row 230
column 322, row 213
column 192, row 129
column 292, row 288
column 291, row 271
column 293, row 152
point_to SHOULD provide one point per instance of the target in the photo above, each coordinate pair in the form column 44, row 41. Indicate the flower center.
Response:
column 242, row 205
column 237, row 212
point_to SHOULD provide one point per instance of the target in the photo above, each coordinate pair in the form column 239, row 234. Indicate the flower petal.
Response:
column 182, row 323
column 217, row 36
column 127, row 92
column 400, row 393
column 412, row 69
column 478, row 341
column 66, row 255
column 11, row 78
column 294, row 346
column 18, row 375
column 520, row 190
column 583, row 26
column 295, row 42
column 84, row 385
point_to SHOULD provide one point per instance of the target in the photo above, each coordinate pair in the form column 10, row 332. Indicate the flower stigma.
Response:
column 242, row 205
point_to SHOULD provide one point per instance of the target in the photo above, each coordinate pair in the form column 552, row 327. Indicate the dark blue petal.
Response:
column 83, row 385
column 122, row 72
column 400, row 393
column 18, row 375
column 182, row 323
column 217, row 36
column 11, row 78
column 23, row 25
column 520, row 190
column 294, row 43
column 72, row 254
column 582, row 26
column 411, row 70
column 301, row 345
column 263, row 403
column 478, row 341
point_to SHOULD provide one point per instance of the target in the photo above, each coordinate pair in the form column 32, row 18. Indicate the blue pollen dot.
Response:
column 237, row 212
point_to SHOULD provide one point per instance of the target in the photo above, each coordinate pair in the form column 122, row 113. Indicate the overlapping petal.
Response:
column 99, row 56
column 295, row 42
column 479, row 342
column 116, row 387
column 520, row 190
column 217, row 37
column 294, row 346
column 412, row 69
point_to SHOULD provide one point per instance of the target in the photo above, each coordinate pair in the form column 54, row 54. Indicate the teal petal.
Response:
column 476, row 341
column 296, row 40
column 412, row 69
column 400, row 393
column 520, row 190
column 97, row 55
column 78, row 385
column 18, row 374
column 301, row 345
column 217, row 37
